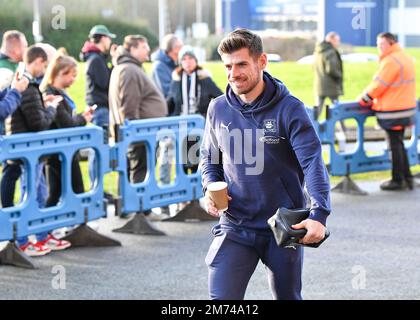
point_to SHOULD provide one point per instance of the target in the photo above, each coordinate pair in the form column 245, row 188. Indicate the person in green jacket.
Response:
column 328, row 70
column 329, row 77
column 13, row 46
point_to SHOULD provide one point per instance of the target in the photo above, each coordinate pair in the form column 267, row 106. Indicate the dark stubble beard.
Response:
column 248, row 90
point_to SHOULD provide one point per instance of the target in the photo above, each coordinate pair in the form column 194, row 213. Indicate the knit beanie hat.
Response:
column 187, row 51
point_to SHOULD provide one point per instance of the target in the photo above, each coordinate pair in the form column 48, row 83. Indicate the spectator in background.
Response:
column 41, row 183
column 30, row 116
column 329, row 78
column 96, row 54
column 192, row 88
column 133, row 96
column 392, row 95
column 12, row 49
column 60, row 75
column 13, row 46
column 191, row 91
column 165, row 63
column 328, row 70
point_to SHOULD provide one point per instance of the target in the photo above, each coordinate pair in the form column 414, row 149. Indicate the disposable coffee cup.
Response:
column 218, row 192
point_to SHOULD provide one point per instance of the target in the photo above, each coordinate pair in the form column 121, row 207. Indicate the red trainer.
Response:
column 55, row 244
column 35, row 249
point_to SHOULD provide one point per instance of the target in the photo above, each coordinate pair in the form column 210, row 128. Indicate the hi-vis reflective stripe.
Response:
column 401, row 76
column 396, row 115
column 394, row 84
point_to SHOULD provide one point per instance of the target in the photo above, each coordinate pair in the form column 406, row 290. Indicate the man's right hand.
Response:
column 211, row 206
column 365, row 100
column 363, row 103
column 20, row 84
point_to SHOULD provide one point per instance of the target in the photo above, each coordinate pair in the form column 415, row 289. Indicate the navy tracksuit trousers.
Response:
column 234, row 255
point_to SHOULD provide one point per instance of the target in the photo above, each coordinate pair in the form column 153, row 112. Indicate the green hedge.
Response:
column 76, row 32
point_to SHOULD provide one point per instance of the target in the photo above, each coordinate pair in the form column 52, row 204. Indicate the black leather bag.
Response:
column 281, row 225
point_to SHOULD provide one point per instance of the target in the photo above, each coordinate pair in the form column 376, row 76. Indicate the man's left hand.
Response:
column 316, row 231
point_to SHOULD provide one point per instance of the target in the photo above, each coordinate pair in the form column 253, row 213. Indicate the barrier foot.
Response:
column 192, row 212
column 85, row 236
column 348, row 186
column 141, row 226
column 118, row 207
column 12, row 256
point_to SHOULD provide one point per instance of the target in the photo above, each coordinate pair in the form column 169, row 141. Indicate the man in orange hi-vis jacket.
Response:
column 392, row 95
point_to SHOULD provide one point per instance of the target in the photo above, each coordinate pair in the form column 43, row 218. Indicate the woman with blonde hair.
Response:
column 60, row 75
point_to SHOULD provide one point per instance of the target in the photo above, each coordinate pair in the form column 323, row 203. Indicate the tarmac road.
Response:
column 373, row 253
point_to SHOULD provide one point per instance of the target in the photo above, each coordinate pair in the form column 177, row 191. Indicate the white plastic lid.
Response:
column 217, row 186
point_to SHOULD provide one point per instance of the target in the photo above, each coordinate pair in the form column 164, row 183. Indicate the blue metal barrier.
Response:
column 347, row 163
column 343, row 164
column 27, row 218
column 149, row 194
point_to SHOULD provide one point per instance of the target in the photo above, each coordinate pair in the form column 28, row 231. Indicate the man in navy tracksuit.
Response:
column 260, row 140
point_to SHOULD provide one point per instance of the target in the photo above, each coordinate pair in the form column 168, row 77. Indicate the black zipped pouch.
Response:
column 281, row 224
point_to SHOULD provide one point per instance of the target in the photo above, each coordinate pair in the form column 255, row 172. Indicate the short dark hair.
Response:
column 239, row 39
column 392, row 38
column 131, row 41
column 34, row 53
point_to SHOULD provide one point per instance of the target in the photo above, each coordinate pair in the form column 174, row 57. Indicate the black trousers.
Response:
column 400, row 165
column 321, row 103
column 191, row 160
column 137, row 164
column 53, row 175
column 11, row 173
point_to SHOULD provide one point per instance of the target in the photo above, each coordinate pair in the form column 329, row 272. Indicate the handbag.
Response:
column 281, row 224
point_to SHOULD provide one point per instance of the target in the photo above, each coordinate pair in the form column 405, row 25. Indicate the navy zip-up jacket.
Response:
column 10, row 99
column 287, row 151
column 97, row 75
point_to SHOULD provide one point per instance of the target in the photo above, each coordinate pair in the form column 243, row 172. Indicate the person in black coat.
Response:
column 35, row 113
column 97, row 52
column 30, row 116
column 61, row 74
column 192, row 87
